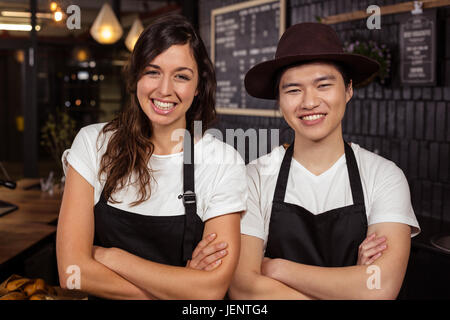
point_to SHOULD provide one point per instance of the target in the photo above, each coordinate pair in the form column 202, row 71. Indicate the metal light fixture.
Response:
column 106, row 28
column 133, row 35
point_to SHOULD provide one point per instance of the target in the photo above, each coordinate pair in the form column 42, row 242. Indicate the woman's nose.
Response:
column 165, row 86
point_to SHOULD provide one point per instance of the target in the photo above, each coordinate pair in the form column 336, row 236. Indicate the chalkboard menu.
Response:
column 243, row 35
column 418, row 48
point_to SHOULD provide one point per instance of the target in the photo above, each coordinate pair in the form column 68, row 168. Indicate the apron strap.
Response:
column 352, row 168
column 283, row 175
column 189, row 198
column 353, row 174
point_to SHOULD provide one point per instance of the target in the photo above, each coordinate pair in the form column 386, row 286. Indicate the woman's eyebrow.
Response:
column 184, row 68
column 176, row 70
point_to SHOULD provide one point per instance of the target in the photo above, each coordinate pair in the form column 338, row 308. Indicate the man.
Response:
column 321, row 210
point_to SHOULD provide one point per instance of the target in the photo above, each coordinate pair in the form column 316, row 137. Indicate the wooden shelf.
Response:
column 391, row 9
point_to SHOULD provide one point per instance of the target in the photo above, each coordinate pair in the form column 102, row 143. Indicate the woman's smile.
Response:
column 162, row 107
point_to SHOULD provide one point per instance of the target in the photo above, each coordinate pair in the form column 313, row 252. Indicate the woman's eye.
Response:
column 151, row 72
column 182, row 77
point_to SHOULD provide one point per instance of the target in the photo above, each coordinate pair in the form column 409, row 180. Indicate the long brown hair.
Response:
column 129, row 148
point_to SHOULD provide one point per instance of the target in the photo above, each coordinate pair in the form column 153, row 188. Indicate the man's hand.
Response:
column 207, row 256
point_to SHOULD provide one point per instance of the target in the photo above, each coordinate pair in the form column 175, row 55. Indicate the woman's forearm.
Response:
column 168, row 282
column 98, row 280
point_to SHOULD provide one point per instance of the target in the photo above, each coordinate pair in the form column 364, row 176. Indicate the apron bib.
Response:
column 162, row 239
column 329, row 239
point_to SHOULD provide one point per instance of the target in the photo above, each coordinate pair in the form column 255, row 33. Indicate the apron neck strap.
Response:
column 188, row 163
column 353, row 174
column 352, row 168
column 283, row 175
column 189, row 197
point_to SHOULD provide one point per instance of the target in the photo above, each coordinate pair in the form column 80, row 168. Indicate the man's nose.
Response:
column 310, row 99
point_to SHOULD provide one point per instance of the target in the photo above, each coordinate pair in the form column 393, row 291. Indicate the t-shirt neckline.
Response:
column 324, row 174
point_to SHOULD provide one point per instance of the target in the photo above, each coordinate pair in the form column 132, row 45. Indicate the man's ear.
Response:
column 349, row 92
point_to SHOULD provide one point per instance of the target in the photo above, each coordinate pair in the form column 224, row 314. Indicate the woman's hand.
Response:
column 371, row 249
column 207, row 256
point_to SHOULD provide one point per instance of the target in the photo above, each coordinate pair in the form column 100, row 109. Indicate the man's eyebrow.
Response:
column 298, row 84
column 290, row 84
column 176, row 70
column 327, row 77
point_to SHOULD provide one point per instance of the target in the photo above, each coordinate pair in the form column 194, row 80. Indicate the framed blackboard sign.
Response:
column 418, row 48
column 243, row 35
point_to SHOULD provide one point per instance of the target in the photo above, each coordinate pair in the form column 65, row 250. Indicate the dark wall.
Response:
column 408, row 125
column 10, row 107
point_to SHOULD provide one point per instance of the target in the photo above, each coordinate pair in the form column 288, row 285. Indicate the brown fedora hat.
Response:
column 301, row 43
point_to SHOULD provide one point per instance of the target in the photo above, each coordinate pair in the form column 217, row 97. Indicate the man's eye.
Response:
column 293, row 91
column 324, row 85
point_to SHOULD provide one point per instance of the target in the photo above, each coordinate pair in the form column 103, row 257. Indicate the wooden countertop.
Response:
column 34, row 221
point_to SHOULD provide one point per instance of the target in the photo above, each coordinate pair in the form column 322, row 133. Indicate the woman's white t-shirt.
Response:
column 385, row 188
column 220, row 176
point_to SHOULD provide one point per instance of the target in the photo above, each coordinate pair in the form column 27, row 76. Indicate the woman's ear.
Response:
column 349, row 92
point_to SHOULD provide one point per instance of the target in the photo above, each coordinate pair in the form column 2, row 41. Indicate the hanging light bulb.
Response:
column 106, row 28
column 57, row 15
column 133, row 35
column 53, row 6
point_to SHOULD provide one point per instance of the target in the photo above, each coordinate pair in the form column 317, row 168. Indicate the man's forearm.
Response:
column 331, row 283
column 253, row 286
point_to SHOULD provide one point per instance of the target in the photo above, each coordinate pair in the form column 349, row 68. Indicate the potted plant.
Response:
column 378, row 52
column 57, row 135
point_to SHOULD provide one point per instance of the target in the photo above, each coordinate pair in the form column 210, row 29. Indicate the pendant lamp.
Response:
column 133, row 35
column 106, row 28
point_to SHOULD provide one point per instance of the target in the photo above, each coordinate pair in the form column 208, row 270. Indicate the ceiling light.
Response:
column 17, row 27
column 53, row 6
column 106, row 29
column 24, row 14
column 57, row 16
column 133, row 35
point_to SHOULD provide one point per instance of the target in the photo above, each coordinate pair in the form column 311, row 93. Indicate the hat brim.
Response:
column 260, row 79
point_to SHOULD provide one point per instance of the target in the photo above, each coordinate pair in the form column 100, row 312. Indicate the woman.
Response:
column 324, row 214
column 130, row 192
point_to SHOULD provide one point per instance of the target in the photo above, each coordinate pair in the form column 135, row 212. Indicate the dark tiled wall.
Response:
column 408, row 125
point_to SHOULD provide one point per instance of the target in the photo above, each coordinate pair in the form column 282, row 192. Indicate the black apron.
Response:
column 329, row 239
column 163, row 239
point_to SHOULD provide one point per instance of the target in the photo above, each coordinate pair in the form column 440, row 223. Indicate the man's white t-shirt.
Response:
column 385, row 188
column 220, row 183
